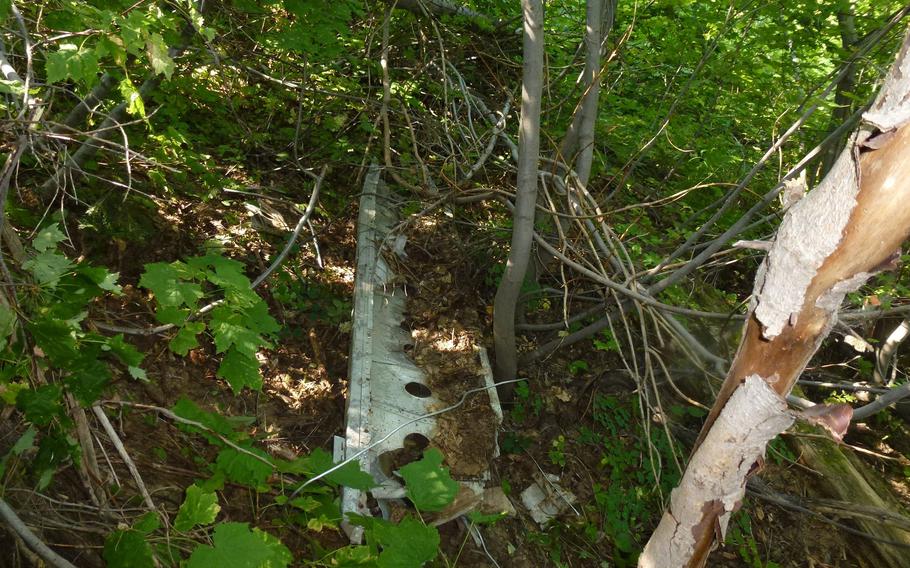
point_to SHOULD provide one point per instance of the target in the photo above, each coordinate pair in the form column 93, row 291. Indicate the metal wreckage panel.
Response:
column 378, row 406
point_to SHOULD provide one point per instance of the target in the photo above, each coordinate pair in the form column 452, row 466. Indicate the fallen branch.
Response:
column 115, row 439
column 31, row 539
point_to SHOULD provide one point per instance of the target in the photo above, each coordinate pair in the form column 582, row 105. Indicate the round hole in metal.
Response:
column 416, row 441
column 418, row 390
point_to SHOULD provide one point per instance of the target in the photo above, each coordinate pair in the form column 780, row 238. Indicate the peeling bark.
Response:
column 829, row 243
column 715, row 481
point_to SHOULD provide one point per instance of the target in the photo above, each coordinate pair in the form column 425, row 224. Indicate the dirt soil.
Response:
column 447, row 333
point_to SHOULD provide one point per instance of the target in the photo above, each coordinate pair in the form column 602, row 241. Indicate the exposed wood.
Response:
column 829, row 243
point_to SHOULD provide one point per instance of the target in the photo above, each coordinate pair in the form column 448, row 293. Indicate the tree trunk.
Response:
column 829, row 244
column 580, row 137
column 526, row 199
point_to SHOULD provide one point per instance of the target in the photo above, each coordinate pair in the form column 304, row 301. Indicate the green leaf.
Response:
column 40, row 405
column 162, row 280
column 158, row 56
column 259, row 319
column 125, row 351
column 72, row 62
column 87, row 383
column 186, row 337
column 25, row 442
column 101, row 277
column 240, row 370
column 133, row 31
column 137, row 373
column 148, row 523
column 354, row 556
column 56, row 65
column 7, row 325
column 127, row 549
column 481, row 519
column 56, row 339
column 10, row 392
column 229, row 273
column 406, row 545
column 243, row 468
column 230, row 329
column 236, row 546
column 48, row 238
column 199, row 508
column 172, row 315
column 429, row 485
column 349, row 475
column 134, row 103
column 48, row 267
column 185, row 408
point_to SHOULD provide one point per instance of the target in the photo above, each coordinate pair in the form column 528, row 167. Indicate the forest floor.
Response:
column 577, row 418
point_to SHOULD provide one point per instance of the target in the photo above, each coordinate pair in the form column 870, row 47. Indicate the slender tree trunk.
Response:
column 579, row 139
column 526, row 199
column 829, row 244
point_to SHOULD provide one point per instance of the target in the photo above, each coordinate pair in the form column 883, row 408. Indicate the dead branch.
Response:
column 30, row 538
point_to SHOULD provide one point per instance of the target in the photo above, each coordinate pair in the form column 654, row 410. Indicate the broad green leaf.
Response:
column 10, row 391
column 429, row 485
column 349, row 475
column 158, row 56
column 236, row 546
column 125, row 351
column 47, row 238
column 127, row 549
column 185, row 408
column 230, row 329
column 148, row 523
column 259, row 319
column 134, row 103
column 408, row 544
column 41, row 405
column 103, row 278
column 56, row 339
column 133, row 31
column 25, row 442
column 199, row 508
column 56, row 66
column 240, row 370
column 162, row 280
column 70, row 61
column 48, row 268
column 173, row 315
column 137, row 373
column 54, row 450
column 481, row 519
column 87, row 384
column 186, row 337
column 243, row 468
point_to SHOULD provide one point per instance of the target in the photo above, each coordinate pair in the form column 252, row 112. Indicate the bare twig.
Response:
column 31, row 539
column 115, row 439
